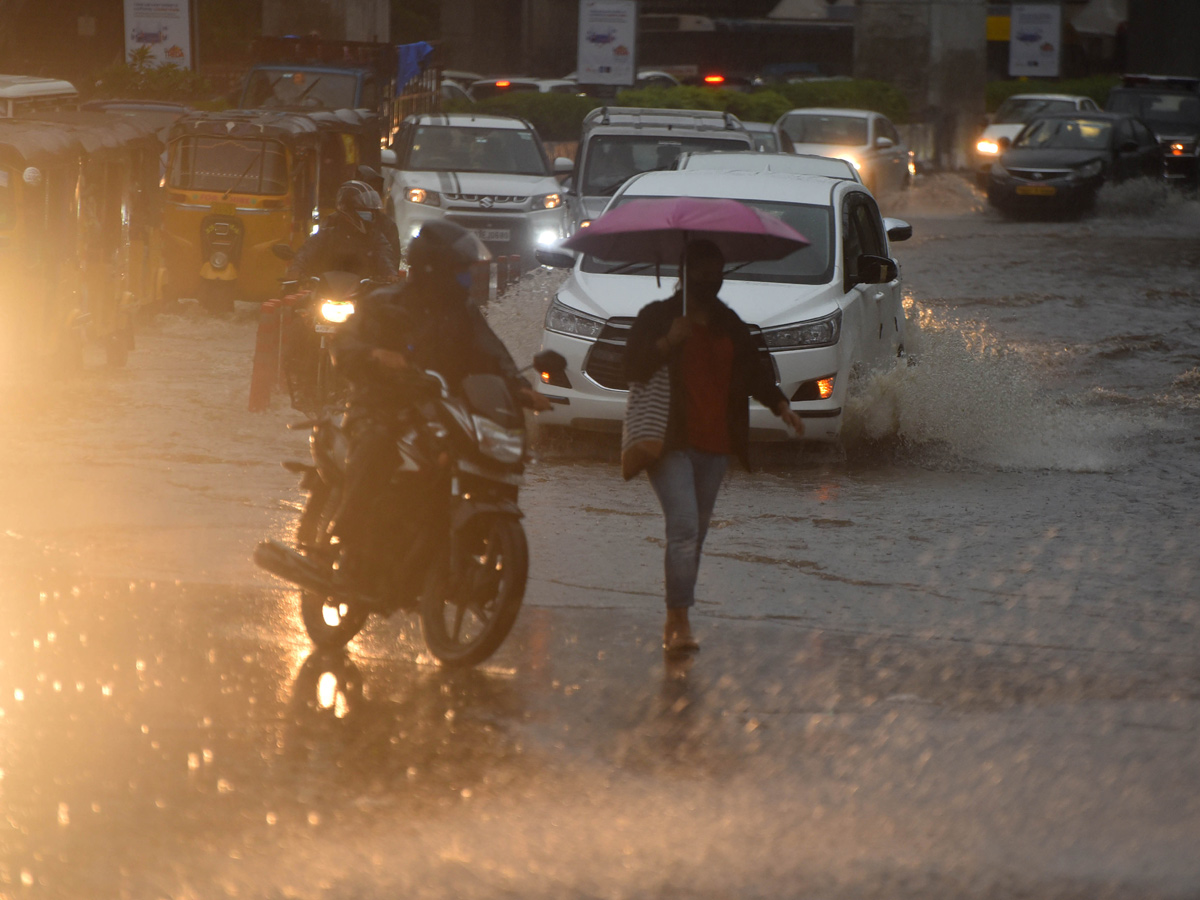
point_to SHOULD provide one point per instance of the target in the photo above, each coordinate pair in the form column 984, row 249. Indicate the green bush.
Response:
column 1096, row 87
column 557, row 117
column 142, row 79
column 847, row 93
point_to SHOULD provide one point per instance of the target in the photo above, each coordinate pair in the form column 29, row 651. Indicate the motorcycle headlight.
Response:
column 548, row 201
column 560, row 318
column 220, row 259
column 1090, row 170
column 817, row 333
column 420, row 195
column 501, row 444
column 337, row 311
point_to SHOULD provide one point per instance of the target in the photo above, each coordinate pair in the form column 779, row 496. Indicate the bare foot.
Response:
column 677, row 633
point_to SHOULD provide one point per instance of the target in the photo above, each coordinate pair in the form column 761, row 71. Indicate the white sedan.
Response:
column 867, row 140
column 822, row 313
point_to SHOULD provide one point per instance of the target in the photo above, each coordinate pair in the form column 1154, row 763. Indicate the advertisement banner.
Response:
column 1035, row 38
column 607, row 42
column 165, row 26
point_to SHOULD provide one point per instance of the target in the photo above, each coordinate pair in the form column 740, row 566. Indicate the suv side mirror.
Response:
column 388, row 158
column 555, row 259
column 897, row 229
column 884, row 142
column 563, row 166
column 876, row 269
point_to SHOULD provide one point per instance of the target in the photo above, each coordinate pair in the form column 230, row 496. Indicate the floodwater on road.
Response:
column 956, row 657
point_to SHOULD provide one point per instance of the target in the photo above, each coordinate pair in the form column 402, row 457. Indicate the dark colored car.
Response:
column 1171, row 107
column 1058, row 162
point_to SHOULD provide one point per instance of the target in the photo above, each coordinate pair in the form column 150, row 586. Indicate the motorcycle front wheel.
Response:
column 469, row 603
column 331, row 622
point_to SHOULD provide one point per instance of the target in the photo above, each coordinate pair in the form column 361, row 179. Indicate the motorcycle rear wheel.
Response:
column 331, row 622
column 469, row 605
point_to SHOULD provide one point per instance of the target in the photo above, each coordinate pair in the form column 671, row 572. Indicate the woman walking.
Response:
column 714, row 368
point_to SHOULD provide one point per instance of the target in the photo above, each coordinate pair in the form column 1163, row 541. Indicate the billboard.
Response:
column 607, row 42
column 165, row 26
column 1035, row 39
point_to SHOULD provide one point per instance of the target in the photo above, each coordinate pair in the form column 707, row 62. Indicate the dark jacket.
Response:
column 434, row 327
column 339, row 246
column 753, row 375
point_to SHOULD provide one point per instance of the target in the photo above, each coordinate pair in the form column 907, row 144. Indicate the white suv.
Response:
column 823, row 312
column 489, row 174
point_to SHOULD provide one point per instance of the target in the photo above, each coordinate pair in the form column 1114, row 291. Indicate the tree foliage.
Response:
column 143, row 79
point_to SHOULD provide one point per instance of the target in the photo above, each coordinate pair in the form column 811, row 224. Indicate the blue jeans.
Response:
column 686, row 482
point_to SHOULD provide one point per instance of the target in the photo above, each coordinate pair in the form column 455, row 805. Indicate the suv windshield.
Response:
column 275, row 89
column 808, row 128
column 1017, row 110
column 1161, row 110
column 450, row 148
column 1065, row 134
column 809, row 265
column 612, row 159
column 229, row 165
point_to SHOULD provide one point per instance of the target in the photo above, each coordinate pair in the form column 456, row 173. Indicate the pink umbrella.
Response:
column 657, row 230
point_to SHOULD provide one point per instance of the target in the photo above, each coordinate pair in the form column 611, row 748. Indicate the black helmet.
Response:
column 359, row 202
column 442, row 247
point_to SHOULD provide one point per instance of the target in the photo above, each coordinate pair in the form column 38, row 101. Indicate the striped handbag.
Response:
column 645, row 428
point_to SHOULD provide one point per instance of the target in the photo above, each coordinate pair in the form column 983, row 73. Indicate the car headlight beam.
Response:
column 548, row 201
column 422, row 196
column 991, row 148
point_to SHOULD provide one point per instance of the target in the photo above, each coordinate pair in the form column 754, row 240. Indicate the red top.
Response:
column 707, row 372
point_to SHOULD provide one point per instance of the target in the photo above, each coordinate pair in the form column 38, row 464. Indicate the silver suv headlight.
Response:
column 502, row 444
column 567, row 321
column 815, row 333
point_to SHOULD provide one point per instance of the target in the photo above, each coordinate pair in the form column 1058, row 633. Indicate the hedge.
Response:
column 559, row 117
column 1096, row 87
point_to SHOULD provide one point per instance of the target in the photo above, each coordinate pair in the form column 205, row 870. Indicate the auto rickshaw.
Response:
column 79, row 208
column 242, row 181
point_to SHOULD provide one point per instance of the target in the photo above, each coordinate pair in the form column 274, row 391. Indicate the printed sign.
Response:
column 162, row 25
column 1035, row 38
column 607, row 42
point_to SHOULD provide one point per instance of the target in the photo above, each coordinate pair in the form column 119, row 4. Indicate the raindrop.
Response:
column 193, row 761
column 208, row 756
column 224, row 787
column 18, row 695
column 106, row 690
column 141, row 665
column 58, row 687
column 145, row 729
column 51, row 637
column 26, row 878
column 64, row 814
column 160, row 803
column 314, row 818
column 466, row 793
column 272, row 818
column 79, row 687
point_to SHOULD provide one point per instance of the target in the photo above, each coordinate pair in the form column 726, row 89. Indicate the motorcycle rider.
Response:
column 427, row 322
column 353, row 239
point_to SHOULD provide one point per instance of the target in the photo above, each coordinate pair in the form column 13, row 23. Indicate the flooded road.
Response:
column 957, row 658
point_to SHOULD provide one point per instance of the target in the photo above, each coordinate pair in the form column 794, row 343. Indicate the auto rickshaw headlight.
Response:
column 219, row 260
column 337, row 311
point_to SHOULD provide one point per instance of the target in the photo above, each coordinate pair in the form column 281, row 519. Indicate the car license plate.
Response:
column 325, row 329
column 1037, row 190
column 494, row 234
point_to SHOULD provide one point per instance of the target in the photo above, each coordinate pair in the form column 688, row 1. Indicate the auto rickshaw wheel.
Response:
column 217, row 296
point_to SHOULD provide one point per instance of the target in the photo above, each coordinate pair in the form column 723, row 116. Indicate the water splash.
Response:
column 966, row 396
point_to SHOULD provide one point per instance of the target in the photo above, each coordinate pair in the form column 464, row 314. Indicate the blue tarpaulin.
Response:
column 408, row 61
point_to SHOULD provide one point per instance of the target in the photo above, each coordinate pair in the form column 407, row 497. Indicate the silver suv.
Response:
column 618, row 142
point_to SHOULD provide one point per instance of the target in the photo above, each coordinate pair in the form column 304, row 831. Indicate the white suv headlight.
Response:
column 567, row 321
column 422, row 196
column 816, row 333
column 548, row 201
column 501, row 444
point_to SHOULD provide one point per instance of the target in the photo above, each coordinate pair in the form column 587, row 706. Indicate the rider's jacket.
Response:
column 339, row 246
column 435, row 328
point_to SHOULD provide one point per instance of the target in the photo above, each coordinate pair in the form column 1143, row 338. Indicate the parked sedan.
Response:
column 867, row 140
column 821, row 313
column 1058, row 162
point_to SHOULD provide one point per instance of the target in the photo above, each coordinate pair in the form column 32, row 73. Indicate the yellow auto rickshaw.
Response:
column 79, row 206
column 240, row 182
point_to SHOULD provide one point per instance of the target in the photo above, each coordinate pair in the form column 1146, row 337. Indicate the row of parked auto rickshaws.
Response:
column 105, row 216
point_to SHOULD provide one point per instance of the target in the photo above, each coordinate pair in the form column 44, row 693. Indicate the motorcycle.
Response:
column 462, row 560
column 317, row 311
